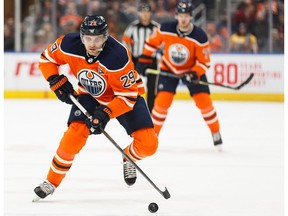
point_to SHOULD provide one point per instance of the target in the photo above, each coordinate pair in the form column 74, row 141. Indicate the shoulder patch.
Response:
column 54, row 47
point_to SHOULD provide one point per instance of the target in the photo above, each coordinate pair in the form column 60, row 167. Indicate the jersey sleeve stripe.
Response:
column 132, row 99
column 126, row 94
column 150, row 48
column 140, row 85
column 127, row 102
column 43, row 61
column 49, row 57
column 203, row 66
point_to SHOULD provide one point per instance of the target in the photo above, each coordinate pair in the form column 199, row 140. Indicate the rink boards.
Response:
column 23, row 79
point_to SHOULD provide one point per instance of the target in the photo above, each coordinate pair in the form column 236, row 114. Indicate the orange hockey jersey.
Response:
column 181, row 53
column 110, row 77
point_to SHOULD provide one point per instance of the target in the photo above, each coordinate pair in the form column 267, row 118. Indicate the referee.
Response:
column 134, row 38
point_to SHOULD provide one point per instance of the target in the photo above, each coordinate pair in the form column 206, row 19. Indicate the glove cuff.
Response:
column 105, row 109
column 145, row 59
column 60, row 80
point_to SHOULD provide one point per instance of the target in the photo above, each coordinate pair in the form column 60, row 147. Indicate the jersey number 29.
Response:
column 128, row 79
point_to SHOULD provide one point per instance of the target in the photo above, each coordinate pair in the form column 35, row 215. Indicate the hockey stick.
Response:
column 156, row 72
column 165, row 193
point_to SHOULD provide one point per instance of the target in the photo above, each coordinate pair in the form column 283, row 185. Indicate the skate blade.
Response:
column 219, row 148
column 36, row 199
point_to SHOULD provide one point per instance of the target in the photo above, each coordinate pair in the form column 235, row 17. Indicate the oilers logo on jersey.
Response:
column 178, row 53
column 92, row 82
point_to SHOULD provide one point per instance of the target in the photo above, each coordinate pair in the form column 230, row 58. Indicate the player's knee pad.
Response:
column 74, row 138
column 203, row 100
column 145, row 142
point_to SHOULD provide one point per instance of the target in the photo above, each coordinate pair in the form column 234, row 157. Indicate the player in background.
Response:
column 109, row 87
column 186, row 53
column 134, row 38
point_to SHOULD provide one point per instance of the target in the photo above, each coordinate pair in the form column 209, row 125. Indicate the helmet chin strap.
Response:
column 91, row 59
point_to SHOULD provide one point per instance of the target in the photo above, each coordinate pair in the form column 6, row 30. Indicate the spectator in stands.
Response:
column 45, row 13
column 41, row 42
column 118, row 18
column 163, row 13
column 214, row 38
column 71, row 17
column 8, row 38
column 68, row 27
column 261, row 30
column 96, row 7
column 245, row 13
column 223, row 32
column 243, row 41
column 47, row 27
column 129, row 8
column 278, row 40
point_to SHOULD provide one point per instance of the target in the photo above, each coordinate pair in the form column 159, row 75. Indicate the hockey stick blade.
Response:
column 229, row 87
column 165, row 193
column 246, row 81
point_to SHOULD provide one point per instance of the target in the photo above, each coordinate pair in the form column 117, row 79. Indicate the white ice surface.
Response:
column 246, row 179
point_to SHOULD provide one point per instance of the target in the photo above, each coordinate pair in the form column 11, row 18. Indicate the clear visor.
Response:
column 93, row 39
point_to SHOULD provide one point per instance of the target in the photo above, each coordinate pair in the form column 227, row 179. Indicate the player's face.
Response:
column 184, row 20
column 145, row 17
column 93, row 43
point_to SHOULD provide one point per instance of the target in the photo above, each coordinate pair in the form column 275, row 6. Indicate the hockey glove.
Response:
column 191, row 78
column 62, row 88
column 100, row 118
column 143, row 63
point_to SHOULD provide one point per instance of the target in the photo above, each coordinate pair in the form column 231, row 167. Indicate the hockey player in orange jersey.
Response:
column 186, row 53
column 109, row 87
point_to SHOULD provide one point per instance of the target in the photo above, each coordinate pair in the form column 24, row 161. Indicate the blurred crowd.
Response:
column 249, row 28
column 249, row 31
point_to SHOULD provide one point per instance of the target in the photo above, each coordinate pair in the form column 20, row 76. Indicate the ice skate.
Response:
column 43, row 190
column 129, row 172
column 217, row 140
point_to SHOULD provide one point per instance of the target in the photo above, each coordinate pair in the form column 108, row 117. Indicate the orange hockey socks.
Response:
column 159, row 113
column 60, row 165
column 204, row 103
column 72, row 142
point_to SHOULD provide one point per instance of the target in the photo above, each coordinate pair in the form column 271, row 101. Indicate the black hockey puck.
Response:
column 153, row 207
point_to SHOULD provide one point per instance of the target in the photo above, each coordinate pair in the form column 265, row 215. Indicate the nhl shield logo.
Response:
column 92, row 82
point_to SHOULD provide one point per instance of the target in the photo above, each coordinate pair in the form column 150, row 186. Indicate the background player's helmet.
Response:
column 184, row 6
column 94, row 25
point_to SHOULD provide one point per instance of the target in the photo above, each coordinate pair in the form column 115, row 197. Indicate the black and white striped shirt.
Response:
column 135, row 35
